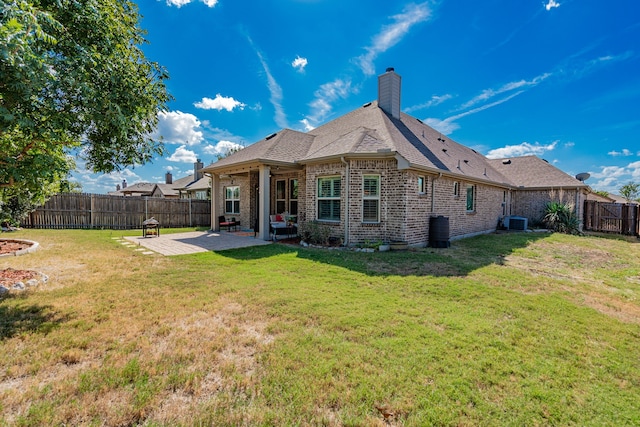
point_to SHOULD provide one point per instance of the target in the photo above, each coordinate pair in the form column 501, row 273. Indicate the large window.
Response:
column 281, row 196
column 329, row 198
column 232, row 200
column 471, row 198
column 371, row 198
column 293, row 196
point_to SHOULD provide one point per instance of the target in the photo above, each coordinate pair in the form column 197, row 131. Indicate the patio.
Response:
column 196, row 241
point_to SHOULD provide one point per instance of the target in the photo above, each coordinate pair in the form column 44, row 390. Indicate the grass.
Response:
column 512, row 329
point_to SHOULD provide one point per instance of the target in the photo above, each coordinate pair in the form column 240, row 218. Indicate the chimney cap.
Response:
column 389, row 69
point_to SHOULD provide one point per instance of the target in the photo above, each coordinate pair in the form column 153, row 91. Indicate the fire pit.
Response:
column 150, row 227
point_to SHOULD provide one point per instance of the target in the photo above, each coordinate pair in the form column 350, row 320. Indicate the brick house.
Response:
column 379, row 174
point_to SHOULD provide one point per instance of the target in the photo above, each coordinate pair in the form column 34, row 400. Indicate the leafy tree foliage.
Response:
column 73, row 77
column 630, row 191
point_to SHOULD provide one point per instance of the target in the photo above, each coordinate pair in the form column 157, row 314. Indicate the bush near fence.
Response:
column 75, row 210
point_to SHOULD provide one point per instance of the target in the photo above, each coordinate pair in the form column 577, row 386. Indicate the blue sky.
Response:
column 556, row 78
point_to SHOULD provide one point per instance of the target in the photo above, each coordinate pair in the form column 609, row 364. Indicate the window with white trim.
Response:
column 422, row 184
column 293, row 196
column 232, row 200
column 371, row 198
column 329, row 198
column 471, row 198
column 281, row 196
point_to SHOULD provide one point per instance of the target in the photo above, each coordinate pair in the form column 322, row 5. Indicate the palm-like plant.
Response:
column 560, row 217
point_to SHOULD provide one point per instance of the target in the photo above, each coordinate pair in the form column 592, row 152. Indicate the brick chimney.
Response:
column 168, row 178
column 197, row 173
column 389, row 85
column 124, row 184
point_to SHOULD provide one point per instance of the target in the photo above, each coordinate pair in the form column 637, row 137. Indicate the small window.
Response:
column 371, row 198
column 281, row 195
column 329, row 198
column 456, row 189
column 421, row 184
column 232, row 200
column 471, row 198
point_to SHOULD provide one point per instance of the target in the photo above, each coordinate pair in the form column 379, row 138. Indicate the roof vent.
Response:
column 390, row 69
column 444, row 149
column 366, row 105
column 271, row 136
column 466, row 161
column 506, row 162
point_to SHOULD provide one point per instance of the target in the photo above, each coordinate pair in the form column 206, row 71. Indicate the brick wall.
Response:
column 531, row 203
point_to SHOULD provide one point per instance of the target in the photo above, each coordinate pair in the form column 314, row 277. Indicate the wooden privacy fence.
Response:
column 116, row 212
column 612, row 217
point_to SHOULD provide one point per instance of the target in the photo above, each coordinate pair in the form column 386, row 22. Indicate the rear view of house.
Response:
column 376, row 173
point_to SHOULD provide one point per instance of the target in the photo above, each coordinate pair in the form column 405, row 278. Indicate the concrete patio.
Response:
column 196, row 241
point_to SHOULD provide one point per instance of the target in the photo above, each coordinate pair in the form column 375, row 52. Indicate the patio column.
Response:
column 264, row 184
column 215, row 204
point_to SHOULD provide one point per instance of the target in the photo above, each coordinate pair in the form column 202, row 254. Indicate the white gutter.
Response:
column 346, row 202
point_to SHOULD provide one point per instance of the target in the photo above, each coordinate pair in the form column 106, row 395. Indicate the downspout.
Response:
column 346, row 202
column 433, row 192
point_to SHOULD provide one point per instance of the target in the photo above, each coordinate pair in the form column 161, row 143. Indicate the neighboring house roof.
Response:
column 533, row 172
column 203, row 183
column 140, row 189
column 166, row 190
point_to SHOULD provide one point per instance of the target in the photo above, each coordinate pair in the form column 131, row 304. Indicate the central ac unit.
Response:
column 516, row 223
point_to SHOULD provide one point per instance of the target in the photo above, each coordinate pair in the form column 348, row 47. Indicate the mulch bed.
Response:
column 9, row 276
column 10, row 246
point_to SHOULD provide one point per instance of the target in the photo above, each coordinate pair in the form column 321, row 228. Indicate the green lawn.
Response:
column 512, row 329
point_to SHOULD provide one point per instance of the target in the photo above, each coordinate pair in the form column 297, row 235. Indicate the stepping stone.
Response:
column 148, row 253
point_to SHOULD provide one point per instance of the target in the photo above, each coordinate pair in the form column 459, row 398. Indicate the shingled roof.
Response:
column 533, row 172
column 370, row 131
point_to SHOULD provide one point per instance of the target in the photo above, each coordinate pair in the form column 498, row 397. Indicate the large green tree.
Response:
column 73, row 79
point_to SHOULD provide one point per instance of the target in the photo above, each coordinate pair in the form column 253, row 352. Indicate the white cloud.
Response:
column 524, row 149
column 569, row 144
column 221, row 147
column 435, row 100
column 274, row 88
column 487, row 94
column 391, row 34
column 176, row 127
column 446, row 126
column 551, row 4
column 308, row 127
column 180, row 3
column 220, row 103
column 324, row 96
column 182, row 155
column 299, row 64
column 625, row 153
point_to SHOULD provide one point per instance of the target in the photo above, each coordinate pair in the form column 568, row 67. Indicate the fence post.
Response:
column 92, row 209
column 190, row 220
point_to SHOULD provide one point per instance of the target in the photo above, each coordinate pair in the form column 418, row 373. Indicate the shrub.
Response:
column 314, row 232
column 560, row 217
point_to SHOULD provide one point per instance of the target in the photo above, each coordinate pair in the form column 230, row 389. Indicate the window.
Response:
column 371, row 198
column 281, row 195
column 456, row 189
column 471, row 198
column 422, row 183
column 293, row 196
column 329, row 198
column 202, row 194
column 232, row 200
